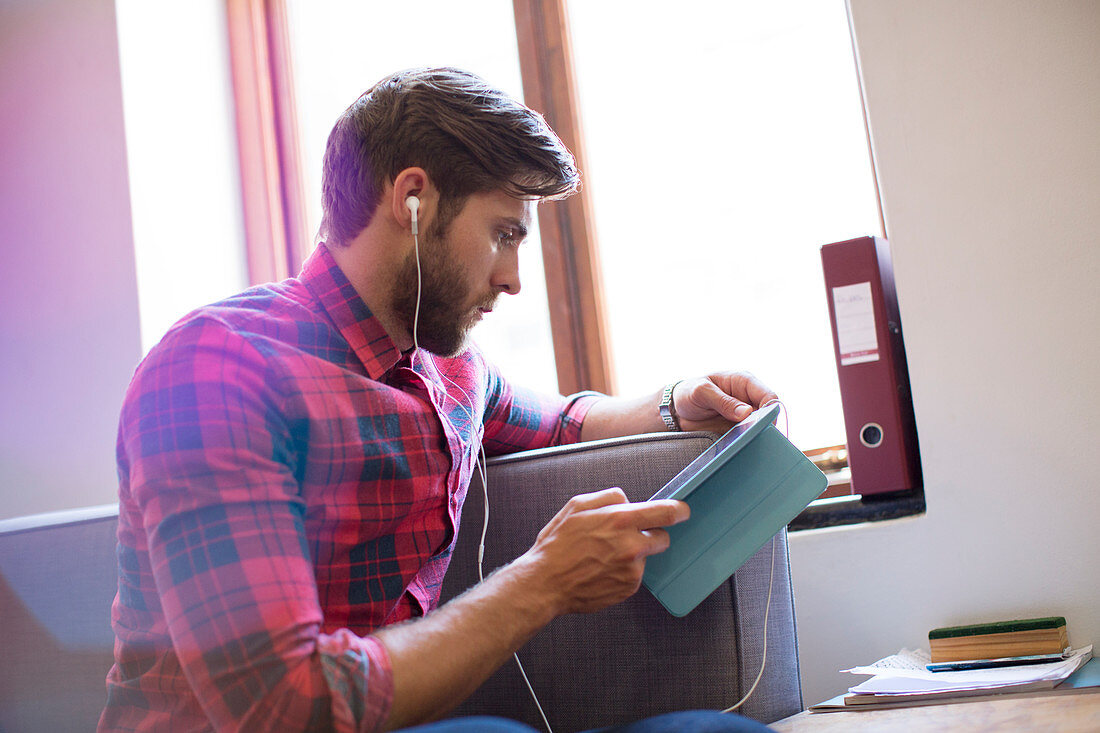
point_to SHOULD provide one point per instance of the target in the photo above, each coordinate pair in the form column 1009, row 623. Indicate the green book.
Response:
column 998, row 627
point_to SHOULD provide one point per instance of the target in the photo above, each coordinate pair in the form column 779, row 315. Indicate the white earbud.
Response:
column 414, row 205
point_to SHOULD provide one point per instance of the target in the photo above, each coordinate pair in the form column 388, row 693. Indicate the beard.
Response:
column 447, row 311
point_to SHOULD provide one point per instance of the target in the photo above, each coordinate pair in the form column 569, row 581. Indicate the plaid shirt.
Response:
column 289, row 482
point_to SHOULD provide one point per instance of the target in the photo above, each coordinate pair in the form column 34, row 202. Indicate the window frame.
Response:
column 272, row 195
column 578, row 317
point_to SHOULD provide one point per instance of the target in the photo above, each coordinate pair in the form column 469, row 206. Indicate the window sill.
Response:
column 838, row 506
column 839, row 511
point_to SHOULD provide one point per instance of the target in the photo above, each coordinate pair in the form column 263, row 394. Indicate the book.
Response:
column 996, row 662
column 1021, row 637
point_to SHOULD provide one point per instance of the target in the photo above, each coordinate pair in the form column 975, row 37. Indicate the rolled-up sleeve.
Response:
column 210, row 471
column 519, row 419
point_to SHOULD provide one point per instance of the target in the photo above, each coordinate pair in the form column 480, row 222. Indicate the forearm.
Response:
column 613, row 417
column 438, row 661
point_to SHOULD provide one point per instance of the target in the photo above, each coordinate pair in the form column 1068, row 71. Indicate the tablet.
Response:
column 742, row 490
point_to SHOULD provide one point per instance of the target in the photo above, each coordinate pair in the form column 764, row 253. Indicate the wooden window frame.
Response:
column 267, row 139
column 578, row 316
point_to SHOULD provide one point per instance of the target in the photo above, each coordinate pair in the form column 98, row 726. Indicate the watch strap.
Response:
column 667, row 410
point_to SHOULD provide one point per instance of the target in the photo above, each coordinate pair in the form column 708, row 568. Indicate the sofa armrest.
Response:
column 58, row 576
column 632, row 660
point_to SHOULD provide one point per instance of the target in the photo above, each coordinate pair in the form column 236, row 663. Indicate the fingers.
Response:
column 709, row 395
column 593, row 553
column 635, row 530
column 657, row 541
column 731, row 396
column 597, row 499
column 582, row 503
column 757, row 393
column 652, row 514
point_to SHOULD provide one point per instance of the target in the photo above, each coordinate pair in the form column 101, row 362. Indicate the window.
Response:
column 718, row 166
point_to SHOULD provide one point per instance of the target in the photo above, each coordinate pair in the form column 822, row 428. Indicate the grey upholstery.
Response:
column 635, row 659
column 58, row 576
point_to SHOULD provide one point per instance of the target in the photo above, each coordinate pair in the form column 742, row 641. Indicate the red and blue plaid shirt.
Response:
column 289, row 482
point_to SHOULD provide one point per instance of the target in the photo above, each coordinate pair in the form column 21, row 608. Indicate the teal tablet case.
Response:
column 751, row 486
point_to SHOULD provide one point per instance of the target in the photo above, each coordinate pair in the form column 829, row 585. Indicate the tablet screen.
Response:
column 678, row 481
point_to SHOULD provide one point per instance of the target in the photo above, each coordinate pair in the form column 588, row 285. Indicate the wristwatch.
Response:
column 668, row 412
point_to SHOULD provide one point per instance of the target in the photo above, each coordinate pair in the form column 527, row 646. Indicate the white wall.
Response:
column 985, row 120
column 69, row 332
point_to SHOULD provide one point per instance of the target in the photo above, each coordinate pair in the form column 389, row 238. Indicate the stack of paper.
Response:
column 901, row 680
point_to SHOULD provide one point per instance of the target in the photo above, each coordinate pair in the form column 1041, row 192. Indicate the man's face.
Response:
column 465, row 266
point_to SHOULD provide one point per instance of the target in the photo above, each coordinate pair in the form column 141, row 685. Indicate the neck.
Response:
column 370, row 262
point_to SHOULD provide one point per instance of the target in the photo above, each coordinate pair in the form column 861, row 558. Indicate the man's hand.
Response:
column 717, row 401
column 714, row 402
column 592, row 553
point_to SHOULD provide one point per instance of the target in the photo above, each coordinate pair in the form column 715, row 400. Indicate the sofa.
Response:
column 58, row 576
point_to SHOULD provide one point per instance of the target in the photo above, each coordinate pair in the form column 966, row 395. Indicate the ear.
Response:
column 413, row 182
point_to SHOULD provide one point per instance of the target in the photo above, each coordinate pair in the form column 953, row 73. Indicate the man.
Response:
column 293, row 460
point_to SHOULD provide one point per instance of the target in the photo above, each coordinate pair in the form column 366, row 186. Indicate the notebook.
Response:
column 742, row 490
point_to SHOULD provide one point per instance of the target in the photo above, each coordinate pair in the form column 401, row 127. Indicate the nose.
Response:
column 506, row 274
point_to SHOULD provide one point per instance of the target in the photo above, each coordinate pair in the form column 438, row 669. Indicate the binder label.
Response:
column 855, row 323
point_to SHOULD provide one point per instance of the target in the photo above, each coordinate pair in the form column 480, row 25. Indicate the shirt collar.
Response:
column 362, row 330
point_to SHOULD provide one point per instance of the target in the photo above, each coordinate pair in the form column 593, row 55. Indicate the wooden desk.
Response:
column 1068, row 713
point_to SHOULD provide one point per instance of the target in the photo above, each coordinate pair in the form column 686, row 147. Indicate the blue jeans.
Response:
column 691, row 721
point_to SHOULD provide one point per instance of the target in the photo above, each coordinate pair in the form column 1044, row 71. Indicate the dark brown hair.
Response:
column 468, row 136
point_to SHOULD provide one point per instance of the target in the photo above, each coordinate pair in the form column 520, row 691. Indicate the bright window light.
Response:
column 181, row 146
column 725, row 145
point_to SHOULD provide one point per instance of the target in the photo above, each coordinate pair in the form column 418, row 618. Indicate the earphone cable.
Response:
column 481, row 465
column 771, row 578
column 419, row 290
column 764, row 654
